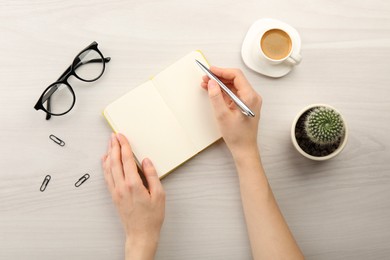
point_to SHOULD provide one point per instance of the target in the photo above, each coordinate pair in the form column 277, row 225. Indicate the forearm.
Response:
column 269, row 234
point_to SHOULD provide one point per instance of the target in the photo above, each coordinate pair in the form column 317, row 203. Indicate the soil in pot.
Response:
column 307, row 145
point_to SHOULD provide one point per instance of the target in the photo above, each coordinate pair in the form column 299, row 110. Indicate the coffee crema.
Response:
column 276, row 44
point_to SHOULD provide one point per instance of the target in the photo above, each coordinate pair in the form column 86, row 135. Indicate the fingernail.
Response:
column 212, row 83
column 147, row 162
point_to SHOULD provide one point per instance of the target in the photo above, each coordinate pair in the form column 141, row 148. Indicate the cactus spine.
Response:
column 324, row 126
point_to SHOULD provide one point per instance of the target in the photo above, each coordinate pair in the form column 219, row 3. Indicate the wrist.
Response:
column 243, row 154
column 248, row 162
column 140, row 248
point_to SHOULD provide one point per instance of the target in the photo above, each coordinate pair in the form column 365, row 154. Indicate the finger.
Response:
column 107, row 173
column 151, row 176
column 129, row 165
column 116, row 161
column 232, row 76
column 204, row 82
column 225, row 73
column 205, row 78
column 216, row 98
column 227, row 99
column 228, row 83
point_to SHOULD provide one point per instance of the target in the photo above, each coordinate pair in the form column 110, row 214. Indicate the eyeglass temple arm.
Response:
column 106, row 59
column 47, row 96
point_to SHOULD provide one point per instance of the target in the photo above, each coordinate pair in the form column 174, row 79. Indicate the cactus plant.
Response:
column 319, row 132
column 324, row 126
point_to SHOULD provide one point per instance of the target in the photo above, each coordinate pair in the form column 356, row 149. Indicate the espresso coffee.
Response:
column 276, row 44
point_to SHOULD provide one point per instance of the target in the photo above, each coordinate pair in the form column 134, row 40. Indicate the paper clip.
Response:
column 82, row 180
column 45, row 183
column 57, row 140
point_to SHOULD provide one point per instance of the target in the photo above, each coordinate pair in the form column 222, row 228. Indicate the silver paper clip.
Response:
column 57, row 140
column 45, row 183
column 82, row 180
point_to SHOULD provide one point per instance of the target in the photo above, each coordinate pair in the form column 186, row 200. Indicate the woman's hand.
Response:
column 238, row 130
column 141, row 210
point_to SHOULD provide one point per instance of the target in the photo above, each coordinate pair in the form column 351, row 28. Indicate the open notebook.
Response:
column 169, row 118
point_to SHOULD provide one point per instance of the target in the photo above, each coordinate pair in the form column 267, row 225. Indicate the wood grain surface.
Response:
column 337, row 209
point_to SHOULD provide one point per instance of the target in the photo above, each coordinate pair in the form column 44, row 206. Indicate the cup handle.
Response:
column 294, row 59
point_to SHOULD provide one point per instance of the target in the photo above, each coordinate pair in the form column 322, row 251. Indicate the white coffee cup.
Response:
column 277, row 46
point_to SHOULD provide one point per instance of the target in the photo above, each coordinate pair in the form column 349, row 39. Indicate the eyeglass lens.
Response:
column 89, row 66
column 61, row 98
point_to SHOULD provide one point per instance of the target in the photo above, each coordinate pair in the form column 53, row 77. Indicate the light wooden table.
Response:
column 336, row 210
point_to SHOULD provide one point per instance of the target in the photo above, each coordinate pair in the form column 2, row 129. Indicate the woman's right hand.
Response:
column 238, row 130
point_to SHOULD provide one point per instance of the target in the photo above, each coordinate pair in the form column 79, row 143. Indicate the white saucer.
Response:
column 249, row 51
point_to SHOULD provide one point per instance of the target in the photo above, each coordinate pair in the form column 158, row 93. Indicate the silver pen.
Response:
column 244, row 108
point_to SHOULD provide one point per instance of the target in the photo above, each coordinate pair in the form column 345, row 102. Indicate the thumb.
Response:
column 216, row 98
column 151, row 176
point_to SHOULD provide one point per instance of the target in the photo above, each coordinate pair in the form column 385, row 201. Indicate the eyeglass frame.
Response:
column 63, row 79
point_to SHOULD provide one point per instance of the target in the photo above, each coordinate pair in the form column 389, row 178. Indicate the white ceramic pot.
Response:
column 318, row 158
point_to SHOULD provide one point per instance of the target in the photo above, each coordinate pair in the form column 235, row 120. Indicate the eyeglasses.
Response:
column 59, row 98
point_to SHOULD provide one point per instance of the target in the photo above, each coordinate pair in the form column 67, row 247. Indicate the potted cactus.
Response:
column 319, row 132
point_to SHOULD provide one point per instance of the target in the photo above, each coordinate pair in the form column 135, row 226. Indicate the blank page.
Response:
column 153, row 131
column 179, row 86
